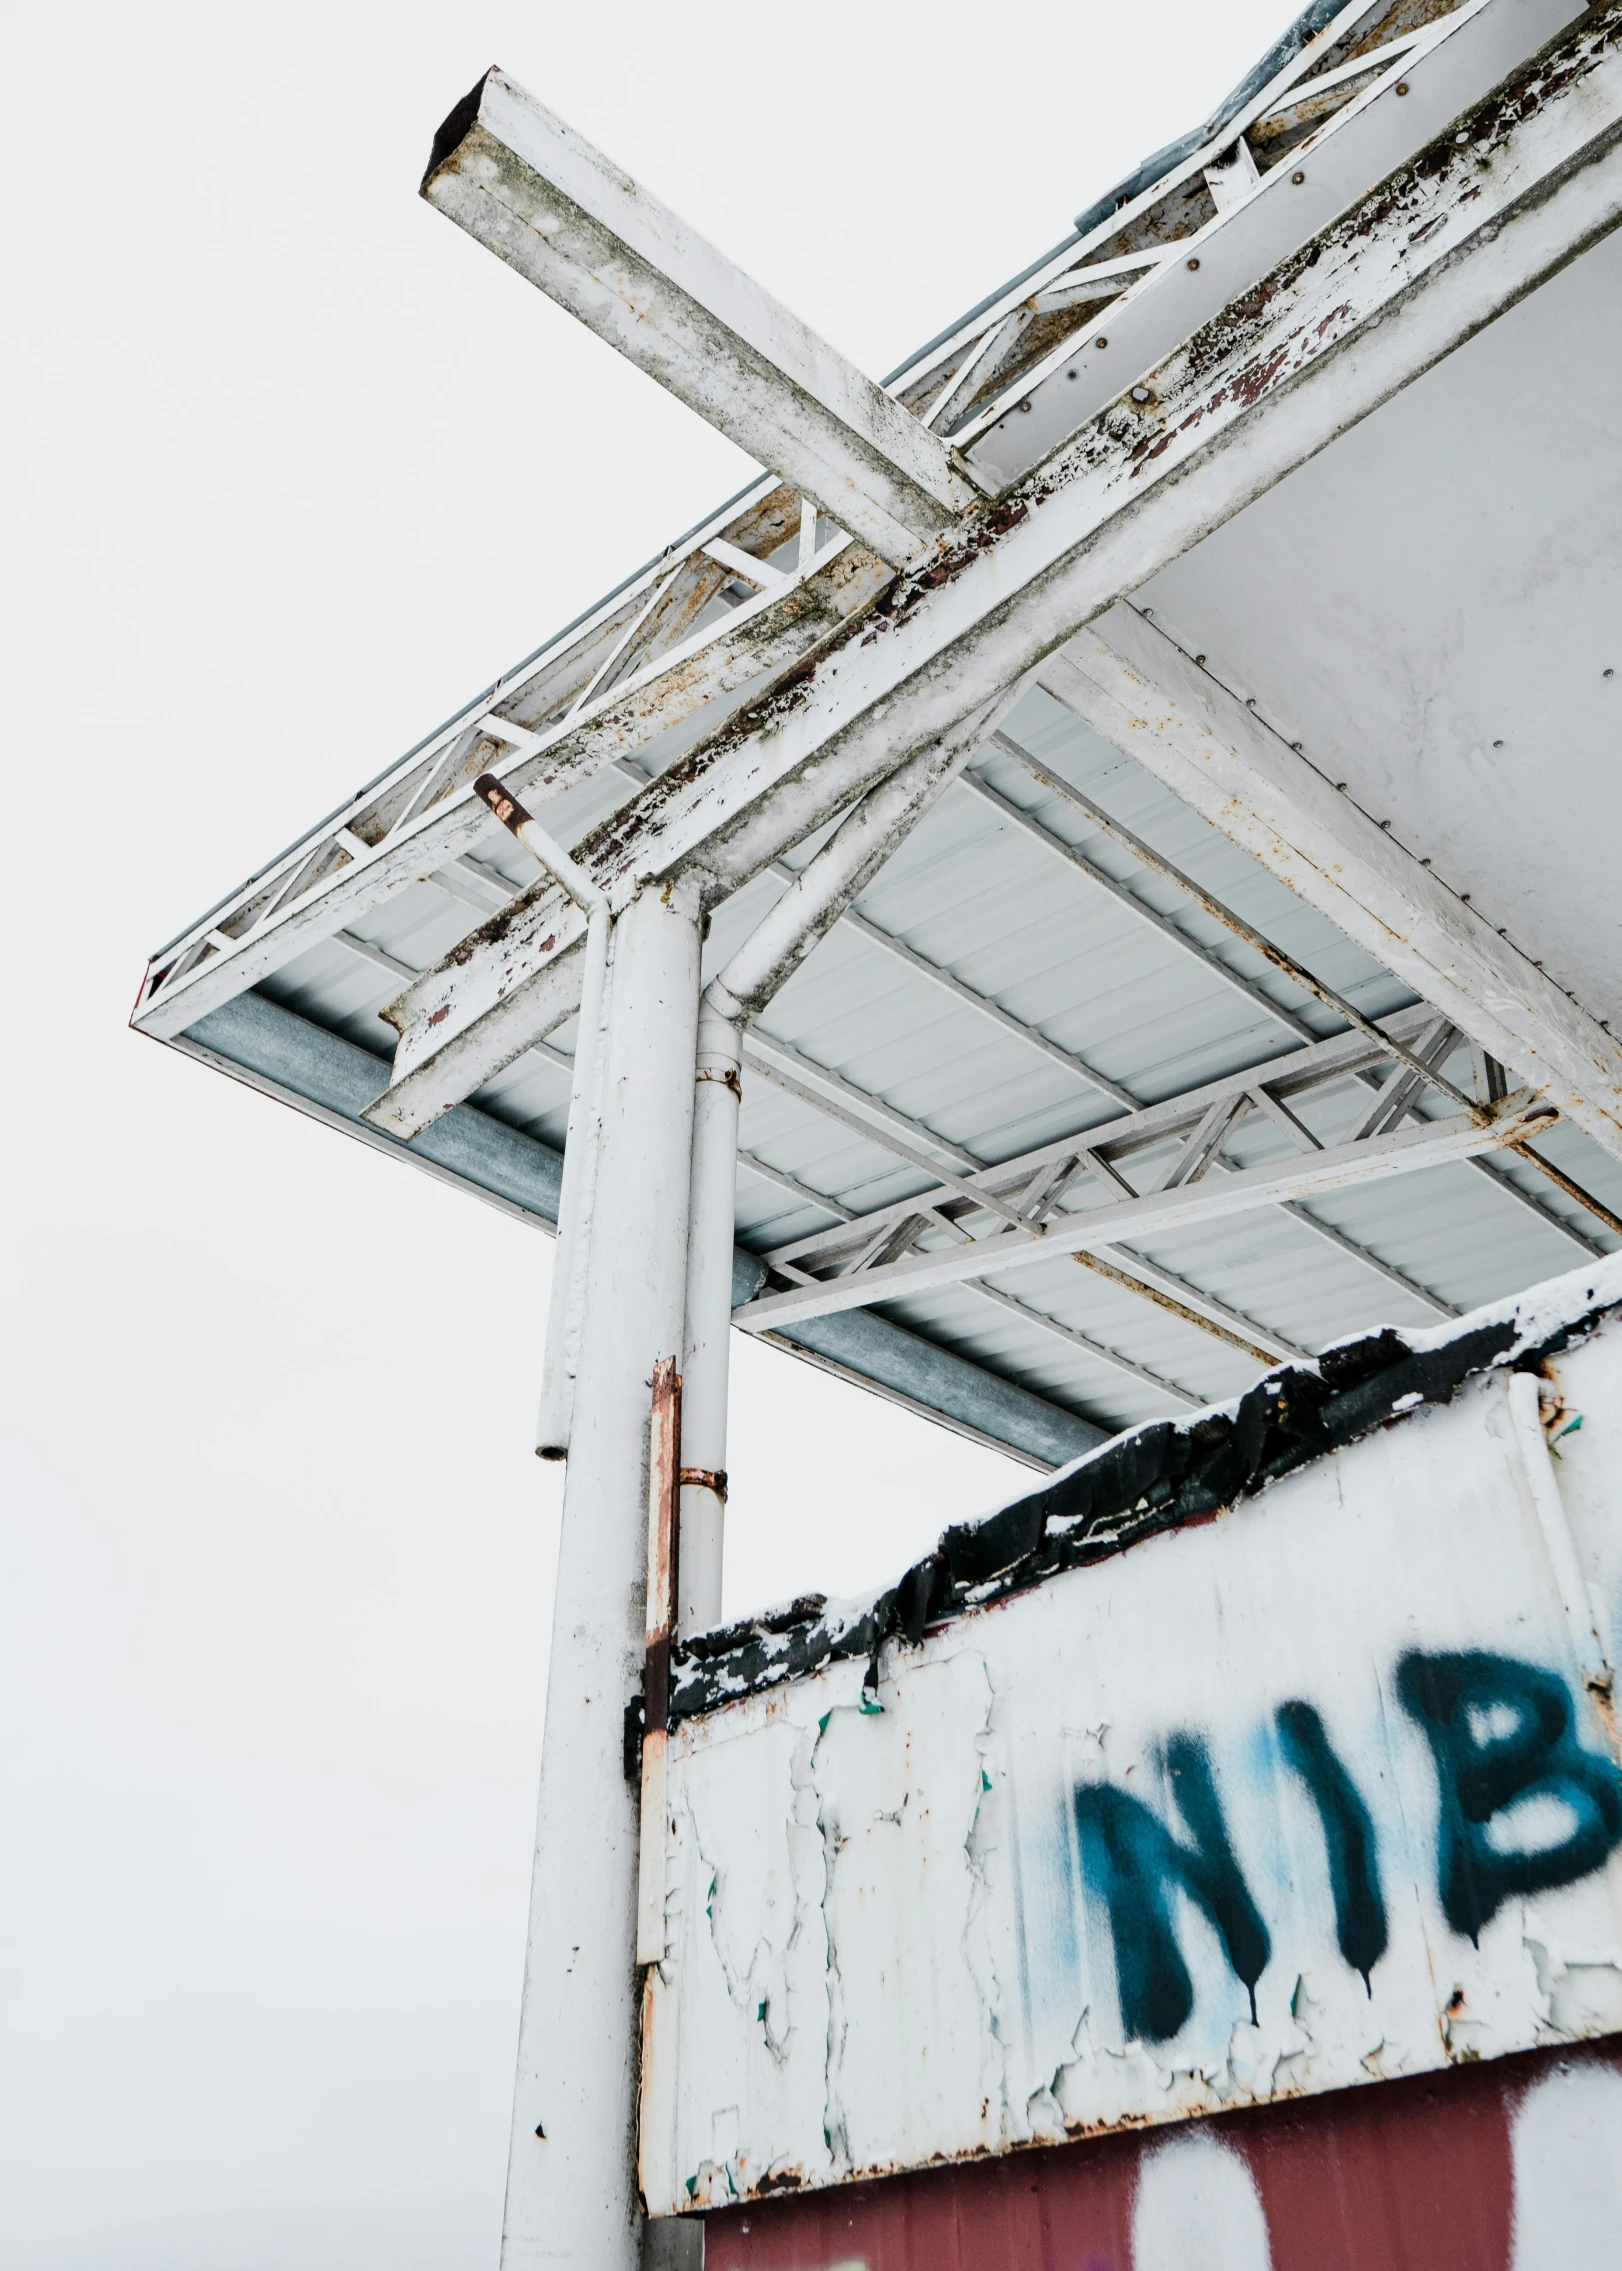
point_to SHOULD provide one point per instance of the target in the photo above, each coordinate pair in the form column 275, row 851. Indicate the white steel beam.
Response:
column 747, row 981
column 1388, row 1270
column 1157, row 1213
column 1421, row 264
column 537, row 194
column 1137, row 688
column 1382, row 293
column 792, row 1187
column 1057, row 1163
column 868, row 1115
column 1501, row 1181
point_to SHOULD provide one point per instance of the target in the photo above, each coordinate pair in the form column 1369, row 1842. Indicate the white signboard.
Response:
column 1317, row 1791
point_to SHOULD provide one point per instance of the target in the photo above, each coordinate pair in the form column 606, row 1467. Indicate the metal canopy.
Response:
column 1231, row 930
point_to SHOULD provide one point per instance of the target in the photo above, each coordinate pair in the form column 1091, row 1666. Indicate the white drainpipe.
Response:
column 764, row 963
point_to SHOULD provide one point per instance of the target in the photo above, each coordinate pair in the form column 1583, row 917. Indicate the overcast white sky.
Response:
column 291, row 468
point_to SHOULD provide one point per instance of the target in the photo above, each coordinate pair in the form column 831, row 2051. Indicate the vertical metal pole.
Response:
column 765, row 961
column 664, row 1450
column 571, row 2183
column 707, row 1353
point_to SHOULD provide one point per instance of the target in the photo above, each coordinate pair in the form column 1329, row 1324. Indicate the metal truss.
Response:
column 924, row 1149
column 769, row 586
column 1426, row 259
column 741, row 600
column 764, row 583
column 1104, row 1149
column 968, row 380
column 1015, row 1214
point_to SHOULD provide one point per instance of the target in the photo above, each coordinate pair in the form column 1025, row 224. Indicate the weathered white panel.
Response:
column 1306, row 1795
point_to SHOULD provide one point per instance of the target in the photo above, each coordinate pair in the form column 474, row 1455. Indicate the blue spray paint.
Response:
column 1501, row 1732
column 1349, row 1838
column 1135, row 1863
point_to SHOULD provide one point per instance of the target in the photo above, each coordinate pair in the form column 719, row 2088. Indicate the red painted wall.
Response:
column 1415, row 2175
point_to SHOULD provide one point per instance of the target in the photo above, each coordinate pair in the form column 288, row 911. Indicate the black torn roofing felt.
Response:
column 1155, row 1478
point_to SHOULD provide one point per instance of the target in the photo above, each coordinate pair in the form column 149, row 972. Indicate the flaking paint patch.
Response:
column 954, row 1963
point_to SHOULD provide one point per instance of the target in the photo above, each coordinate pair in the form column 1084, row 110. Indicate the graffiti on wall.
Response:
column 1316, row 1793
column 1522, row 1807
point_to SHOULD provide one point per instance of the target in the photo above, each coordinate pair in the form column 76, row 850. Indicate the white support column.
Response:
column 571, row 2188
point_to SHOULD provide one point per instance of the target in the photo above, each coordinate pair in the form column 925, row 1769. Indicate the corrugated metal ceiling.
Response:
column 1006, row 914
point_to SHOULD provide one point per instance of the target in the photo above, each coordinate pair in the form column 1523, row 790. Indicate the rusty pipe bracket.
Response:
column 706, row 1478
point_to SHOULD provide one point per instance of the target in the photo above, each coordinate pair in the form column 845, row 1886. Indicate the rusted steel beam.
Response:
column 539, row 196
column 1195, row 1307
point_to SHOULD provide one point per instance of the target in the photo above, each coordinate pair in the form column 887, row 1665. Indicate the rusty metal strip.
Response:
column 1573, row 1190
column 1161, row 1300
column 664, row 1468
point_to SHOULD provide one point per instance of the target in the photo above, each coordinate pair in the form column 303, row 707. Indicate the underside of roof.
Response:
column 1075, row 987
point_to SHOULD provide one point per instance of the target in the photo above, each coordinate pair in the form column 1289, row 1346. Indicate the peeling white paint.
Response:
column 891, row 1933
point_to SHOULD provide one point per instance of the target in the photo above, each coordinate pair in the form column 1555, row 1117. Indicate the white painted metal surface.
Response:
column 941, row 1012
column 1322, row 1792
column 570, row 2188
column 536, row 192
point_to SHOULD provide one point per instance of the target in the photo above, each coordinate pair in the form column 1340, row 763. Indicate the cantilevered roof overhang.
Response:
column 1253, row 985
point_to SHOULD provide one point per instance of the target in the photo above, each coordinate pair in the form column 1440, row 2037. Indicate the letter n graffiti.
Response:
column 1134, row 1863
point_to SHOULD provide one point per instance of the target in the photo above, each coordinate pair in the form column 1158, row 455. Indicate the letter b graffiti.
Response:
column 1502, row 1736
